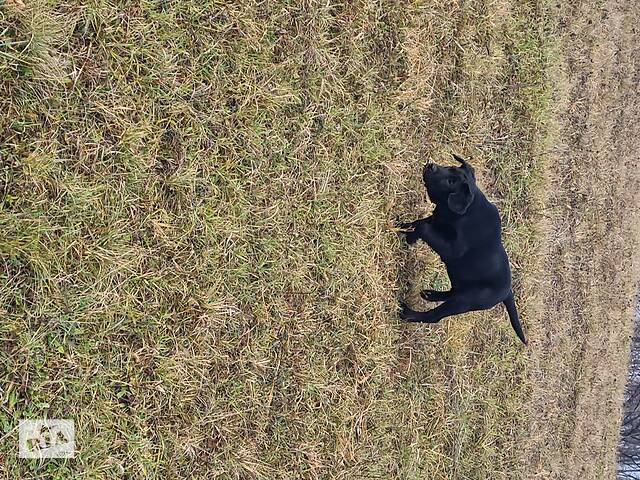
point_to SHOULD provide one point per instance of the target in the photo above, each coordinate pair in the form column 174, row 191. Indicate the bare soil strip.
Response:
column 580, row 344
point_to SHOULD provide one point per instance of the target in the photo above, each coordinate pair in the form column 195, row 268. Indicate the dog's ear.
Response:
column 460, row 160
column 466, row 165
column 460, row 201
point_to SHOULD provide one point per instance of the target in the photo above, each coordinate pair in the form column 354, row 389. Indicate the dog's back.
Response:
column 484, row 262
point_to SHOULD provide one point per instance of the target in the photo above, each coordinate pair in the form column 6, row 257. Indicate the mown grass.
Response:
column 199, row 264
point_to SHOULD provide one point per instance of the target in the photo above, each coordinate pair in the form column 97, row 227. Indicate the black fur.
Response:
column 464, row 230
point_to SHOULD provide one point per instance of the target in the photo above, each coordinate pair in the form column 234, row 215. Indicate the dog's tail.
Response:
column 513, row 316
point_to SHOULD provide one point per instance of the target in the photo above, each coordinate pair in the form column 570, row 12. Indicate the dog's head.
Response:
column 454, row 187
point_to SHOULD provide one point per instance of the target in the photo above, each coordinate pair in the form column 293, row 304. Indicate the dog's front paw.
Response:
column 408, row 229
column 405, row 225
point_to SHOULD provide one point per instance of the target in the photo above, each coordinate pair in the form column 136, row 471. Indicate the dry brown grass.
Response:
column 580, row 346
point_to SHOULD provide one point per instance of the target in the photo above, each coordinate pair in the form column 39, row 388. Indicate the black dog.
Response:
column 464, row 231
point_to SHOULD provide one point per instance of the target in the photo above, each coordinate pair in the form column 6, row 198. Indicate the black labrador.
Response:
column 464, row 230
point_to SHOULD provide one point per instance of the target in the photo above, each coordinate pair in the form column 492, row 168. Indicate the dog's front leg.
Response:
column 443, row 246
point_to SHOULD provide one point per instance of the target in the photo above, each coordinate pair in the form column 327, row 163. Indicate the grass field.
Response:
column 198, row 262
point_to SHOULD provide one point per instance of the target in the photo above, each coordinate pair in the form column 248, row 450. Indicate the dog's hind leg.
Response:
column 453, row 306
column 435, row 295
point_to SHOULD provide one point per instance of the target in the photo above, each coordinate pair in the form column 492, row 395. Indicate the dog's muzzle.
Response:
column 430, row 167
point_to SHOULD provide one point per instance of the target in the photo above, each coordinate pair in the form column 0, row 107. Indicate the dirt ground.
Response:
column 580, row 346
